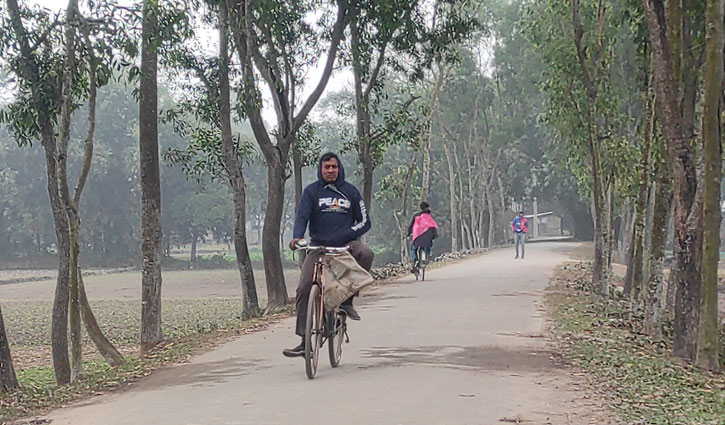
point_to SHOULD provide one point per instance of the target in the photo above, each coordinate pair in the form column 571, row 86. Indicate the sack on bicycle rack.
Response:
column 343, row 277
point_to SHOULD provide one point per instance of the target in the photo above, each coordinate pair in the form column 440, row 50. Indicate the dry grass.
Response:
column 633, row 373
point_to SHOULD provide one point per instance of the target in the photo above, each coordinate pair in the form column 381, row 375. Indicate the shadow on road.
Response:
column 481, row 358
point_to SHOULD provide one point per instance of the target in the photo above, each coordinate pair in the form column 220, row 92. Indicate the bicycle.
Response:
column 421, row 263
column 322, row 325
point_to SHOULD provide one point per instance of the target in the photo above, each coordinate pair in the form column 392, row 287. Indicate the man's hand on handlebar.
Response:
column 293, row 243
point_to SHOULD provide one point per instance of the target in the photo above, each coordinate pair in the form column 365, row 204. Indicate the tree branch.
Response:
column 343, row 15
column 88, row 145
column 374, row 76
column 252, row 101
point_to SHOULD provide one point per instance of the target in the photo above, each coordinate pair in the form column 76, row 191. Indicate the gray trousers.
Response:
column 362, row 254
column 520, row 238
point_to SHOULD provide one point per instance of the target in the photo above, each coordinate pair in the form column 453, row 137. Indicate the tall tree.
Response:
column 707, row 353
column 687, row 192
column 591, row 65
column 268, row 38
column 384, row 35
column 29, row 65
column 374, row 31
column 75, row 79
column 151, row 249
column 213, row 146
column 234, row 171
column 578, row 40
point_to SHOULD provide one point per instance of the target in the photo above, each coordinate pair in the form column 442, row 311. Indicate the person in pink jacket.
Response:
column 424, row 229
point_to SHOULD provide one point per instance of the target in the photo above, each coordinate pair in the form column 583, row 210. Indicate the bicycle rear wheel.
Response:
column 423, row 255
column 337, row 334
column 313, row 332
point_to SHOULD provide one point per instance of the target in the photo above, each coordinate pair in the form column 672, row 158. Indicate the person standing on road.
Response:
column 520, row 226
column 337, row 217
column 424, row 229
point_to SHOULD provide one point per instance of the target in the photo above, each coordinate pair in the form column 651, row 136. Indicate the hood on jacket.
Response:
column 340, row 173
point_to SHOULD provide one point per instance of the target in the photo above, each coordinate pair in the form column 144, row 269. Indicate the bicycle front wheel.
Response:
column 313, row 331
column 337, row 334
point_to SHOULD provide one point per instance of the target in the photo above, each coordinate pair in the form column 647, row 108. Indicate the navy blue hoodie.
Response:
column 335, row 212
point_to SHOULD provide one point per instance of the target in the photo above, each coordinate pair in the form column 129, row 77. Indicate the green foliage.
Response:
column 308, row 145
column 607, row 36
column 202, row 157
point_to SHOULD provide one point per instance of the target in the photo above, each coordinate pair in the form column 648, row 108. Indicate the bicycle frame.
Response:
column 322, row 325
column 317, row 280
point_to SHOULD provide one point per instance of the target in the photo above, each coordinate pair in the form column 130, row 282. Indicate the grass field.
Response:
column 200, row 308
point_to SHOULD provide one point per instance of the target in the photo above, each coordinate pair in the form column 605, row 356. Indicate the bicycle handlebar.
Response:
column 330, row 250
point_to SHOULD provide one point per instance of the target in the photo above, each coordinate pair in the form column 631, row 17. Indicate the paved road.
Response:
column 465, row 347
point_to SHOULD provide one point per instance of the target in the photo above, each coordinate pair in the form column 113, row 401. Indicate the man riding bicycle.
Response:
column 337, row 217
column 424, row 229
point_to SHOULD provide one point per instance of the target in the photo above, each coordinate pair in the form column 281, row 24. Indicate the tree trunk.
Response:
column 80, row 308
column 502, row 204
column 602, row 209
column 103, row 345
column 452, row 175
column 192, row 256
column 425, row 172
column 66, row 112
column 634, row 268
column 600, row 282
column 687, row 191
column 297, row 166
column 250, row 303
column 404, row 210
column 671, row 286
column 425, row 132
column 491, row 217
column 609, row 219
column 362, row 114
column 625, row 221
column 653, row 290
column 59, row 326
column 297, row 171
column 276, row 288
column 8, row 380
column 707, row 347
column 151, row 332
column 74, row 312
column 368, row 169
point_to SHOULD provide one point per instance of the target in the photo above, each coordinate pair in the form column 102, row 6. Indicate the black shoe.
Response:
column 298, row 351
column 349, row 311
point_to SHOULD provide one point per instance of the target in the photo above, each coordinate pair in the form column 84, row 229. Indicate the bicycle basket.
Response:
column 343, row 277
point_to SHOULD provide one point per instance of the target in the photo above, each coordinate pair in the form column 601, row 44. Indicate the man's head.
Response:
column 329, row 167
column 424, row 206
column 521, row 213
